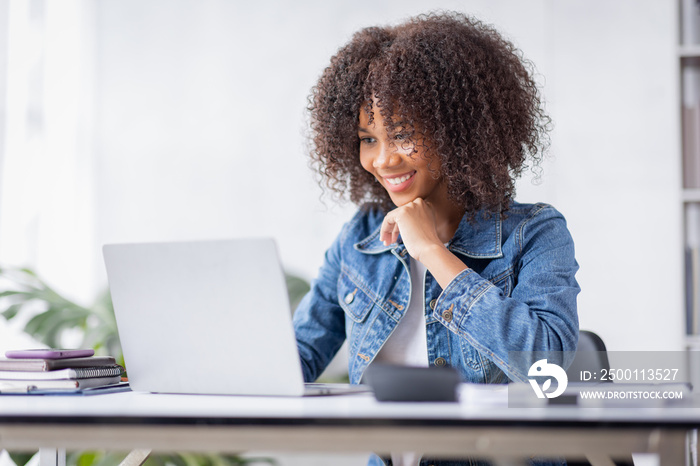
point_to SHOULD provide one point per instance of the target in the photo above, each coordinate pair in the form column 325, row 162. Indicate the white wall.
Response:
column 613, row 85
column 199, row 110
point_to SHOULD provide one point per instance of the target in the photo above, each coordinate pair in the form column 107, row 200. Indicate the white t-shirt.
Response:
column 408, row 345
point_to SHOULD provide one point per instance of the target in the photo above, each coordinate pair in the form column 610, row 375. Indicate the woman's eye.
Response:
column 366, row 140
column 401, row 136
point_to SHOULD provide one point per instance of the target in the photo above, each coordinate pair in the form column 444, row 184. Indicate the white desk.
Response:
column 482, row 425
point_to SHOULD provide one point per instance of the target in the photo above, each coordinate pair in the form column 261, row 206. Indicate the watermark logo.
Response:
column 542, row 368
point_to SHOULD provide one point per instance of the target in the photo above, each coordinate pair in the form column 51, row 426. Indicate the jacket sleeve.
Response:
column 540, row 314
column 319, row 321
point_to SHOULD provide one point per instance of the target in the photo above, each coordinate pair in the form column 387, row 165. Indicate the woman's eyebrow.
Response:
column 360, row 129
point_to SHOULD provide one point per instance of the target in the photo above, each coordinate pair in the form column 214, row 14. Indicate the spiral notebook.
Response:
column 62, row 374
column 207, row 317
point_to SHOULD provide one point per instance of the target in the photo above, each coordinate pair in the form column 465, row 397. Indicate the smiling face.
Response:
column 402, row 166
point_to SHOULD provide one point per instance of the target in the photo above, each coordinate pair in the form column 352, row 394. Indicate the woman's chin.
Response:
column 402, row 200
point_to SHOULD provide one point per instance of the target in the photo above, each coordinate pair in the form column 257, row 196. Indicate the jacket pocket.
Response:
column 352, row 298
column 492, row 373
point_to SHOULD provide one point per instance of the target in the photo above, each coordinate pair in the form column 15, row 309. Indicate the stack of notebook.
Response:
column 58, row 374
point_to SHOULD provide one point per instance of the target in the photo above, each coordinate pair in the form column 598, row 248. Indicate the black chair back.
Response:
column 591, row 355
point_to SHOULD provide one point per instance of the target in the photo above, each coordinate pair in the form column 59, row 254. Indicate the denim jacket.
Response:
column 517, row 294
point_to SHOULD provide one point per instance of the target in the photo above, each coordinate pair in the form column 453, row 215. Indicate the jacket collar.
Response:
column 371, row 244
column 480, row 239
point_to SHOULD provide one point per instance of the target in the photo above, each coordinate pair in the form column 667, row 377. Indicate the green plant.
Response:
column 297, row 287
column 49, row 315
column 102, row 458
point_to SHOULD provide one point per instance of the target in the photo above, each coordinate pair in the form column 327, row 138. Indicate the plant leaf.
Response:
column 297, row 287
column 12, row 311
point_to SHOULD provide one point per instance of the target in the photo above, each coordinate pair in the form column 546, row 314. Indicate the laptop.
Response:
column 207, row 317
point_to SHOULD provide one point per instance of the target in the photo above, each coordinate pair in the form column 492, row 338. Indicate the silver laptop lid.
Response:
column 206, row 317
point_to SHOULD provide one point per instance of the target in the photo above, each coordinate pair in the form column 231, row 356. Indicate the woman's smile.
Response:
column 397, row 183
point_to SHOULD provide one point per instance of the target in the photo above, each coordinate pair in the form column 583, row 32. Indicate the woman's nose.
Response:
column 387, row 156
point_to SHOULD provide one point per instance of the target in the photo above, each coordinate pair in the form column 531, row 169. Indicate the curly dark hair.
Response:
column 447, row 76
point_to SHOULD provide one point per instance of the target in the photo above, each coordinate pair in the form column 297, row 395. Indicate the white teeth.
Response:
column 400, row 179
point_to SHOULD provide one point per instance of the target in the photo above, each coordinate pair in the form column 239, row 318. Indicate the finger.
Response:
column 395, row 233
column 387, row 229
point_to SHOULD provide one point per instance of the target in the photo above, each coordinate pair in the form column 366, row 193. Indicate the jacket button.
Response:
column 439, row 362
column 447, row 315
column 350, row 297
column 433, row 302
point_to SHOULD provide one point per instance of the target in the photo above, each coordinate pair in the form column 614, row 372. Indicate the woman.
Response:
column 426, row 125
